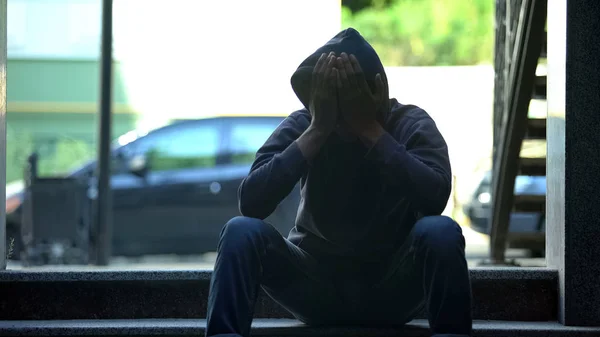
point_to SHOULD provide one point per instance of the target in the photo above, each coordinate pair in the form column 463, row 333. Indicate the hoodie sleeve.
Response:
column 415, row 159
column 278, row 166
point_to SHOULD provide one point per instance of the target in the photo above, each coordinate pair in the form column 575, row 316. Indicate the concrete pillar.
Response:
column 2, row 133
column 573, row 199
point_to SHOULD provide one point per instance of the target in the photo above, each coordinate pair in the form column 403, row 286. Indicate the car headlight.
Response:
column 12, row 203
column 484, row 197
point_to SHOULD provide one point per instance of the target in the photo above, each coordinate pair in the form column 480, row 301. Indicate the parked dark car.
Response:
column 525, row 225
column 175, row 187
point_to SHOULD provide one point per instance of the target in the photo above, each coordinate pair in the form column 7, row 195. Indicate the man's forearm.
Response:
column 310, row 142
column 269, row 183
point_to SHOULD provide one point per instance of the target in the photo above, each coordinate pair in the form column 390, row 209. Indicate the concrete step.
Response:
column 532, row 166
column 275, row 327
column 511, row 294
column 536, row 129
column 529, row 203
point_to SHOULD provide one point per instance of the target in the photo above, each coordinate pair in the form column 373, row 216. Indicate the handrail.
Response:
column 520, row 82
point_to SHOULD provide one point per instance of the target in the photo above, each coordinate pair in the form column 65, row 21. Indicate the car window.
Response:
column 180, row 147
column 246, row 137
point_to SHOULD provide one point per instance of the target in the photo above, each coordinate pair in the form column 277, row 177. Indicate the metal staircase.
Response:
column 520, row 46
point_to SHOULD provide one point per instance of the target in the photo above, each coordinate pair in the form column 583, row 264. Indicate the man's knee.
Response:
column 439, row 234
column 243, row 231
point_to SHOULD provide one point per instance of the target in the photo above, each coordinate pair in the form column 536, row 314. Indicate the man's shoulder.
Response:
column 300, row 117
column 301, row 114
column 294, row 124
column 407, row 120
column 406, row 114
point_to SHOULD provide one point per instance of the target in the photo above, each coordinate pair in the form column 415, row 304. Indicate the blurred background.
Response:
column 198, row 86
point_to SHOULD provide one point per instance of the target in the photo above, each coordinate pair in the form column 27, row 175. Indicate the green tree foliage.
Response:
column 426, row 32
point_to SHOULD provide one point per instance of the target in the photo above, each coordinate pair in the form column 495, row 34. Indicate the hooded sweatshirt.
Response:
column 356, row 201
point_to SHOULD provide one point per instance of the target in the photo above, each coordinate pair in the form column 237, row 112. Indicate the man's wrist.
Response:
column 311, row 141
column 317, row 134
column 371, row 133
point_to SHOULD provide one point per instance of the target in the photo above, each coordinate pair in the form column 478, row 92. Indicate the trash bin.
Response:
column 56, row 222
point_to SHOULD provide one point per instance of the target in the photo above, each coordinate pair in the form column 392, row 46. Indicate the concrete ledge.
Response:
column 511, row 294
column 274, row 327
column 486, row 273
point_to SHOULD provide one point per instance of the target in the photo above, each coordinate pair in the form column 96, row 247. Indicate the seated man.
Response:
column 369, row 246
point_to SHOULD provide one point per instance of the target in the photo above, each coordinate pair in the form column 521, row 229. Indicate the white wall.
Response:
column 196, row 58
column 459, row 99
column 49, row 29
column 185, row 58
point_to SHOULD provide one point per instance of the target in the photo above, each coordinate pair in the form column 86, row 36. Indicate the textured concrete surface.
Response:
column 36, row 275
column 525, row 294
column 274, row 327
column 573, row 172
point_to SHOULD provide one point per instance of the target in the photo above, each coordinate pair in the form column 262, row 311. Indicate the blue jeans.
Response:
column 429, row 270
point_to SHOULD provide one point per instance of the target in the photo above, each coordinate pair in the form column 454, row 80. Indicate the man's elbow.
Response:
column 436, row 208
column 250, row 205
column 437, row 204
column 443, row 197
column 250, row 209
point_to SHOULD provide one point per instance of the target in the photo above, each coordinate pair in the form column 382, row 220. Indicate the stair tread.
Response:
column 272, row 327
column 539, row 122
column 79, row 273
column 541, row 198
column 540, row 87
column 536, row 129
column 529, row 203
column 531, row 166
column 541, row 161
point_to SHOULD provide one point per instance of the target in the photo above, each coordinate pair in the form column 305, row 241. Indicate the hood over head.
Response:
column 351, row 42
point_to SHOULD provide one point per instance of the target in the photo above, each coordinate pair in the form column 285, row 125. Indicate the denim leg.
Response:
column 251, row 253
column 440, row 255
column 431, row 271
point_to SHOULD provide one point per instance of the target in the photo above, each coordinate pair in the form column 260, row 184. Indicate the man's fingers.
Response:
column 331, row 60
column 355, row 64
column 319, row 66
column 320, row 63
column 347, row 64
column 350, row 73
column 339, row 64
column 332, row 83
column 359, row 75
column 336, row 79
column 342, row 74
column 317, row 70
